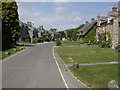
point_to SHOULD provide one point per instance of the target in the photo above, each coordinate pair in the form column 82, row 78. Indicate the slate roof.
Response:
column 103, row 18
column 113, row 14
column 85, row 29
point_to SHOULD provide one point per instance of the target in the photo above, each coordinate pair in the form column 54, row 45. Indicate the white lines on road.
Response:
column 71, row 72
column 59, row 69
column 78, row 79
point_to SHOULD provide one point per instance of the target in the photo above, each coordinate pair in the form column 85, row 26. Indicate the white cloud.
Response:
column 59, row 9
column 77, row 19
column 28, row 13
column 60, row 16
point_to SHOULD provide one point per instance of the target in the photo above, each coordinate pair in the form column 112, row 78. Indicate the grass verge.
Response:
column 11, row 51
column 96, row 76
column 86, row 54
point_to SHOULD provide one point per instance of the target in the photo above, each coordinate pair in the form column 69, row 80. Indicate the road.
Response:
column 35, row 67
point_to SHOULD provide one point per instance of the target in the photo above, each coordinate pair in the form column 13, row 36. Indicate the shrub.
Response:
column 58, row 42
column 35, row 40
column 117, row 48
column 104, row 45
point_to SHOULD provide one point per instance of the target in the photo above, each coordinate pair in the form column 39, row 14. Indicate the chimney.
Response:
column 92, row 19
column 114, row 8
column 41, row 27
column 86, row 22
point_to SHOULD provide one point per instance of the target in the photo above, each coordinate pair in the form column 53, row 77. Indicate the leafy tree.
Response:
column 27, row 37
column 104, row 40
column 10, row 24
column 45, row 34
column 58, row 42
column 62, row 34
column 72, row 33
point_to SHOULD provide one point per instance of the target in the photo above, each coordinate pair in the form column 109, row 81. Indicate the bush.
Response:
column 58, row 42
column 117, row 48
column 35, row 40
column 104, row 45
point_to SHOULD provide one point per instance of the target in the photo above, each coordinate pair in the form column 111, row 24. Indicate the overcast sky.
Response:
column 61, row 15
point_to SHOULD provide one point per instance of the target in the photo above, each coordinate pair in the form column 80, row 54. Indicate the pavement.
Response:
column 36, row 67
column 98, row 63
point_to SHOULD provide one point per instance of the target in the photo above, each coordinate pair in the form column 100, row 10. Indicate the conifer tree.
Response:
column 10, row 24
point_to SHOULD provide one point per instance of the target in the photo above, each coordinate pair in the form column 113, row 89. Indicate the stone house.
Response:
column 54, row 33
column 23, row 30
column 110, row 25
column 85, row 29
column 40, row 30
column 28, row 29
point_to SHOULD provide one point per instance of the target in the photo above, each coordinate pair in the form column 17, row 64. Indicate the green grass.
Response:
column 86, row 54
column 11, row 52
column 68, row 43
column 96, row 76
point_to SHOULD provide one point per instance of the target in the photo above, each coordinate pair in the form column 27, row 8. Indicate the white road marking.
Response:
column 75, row 77
column 59, row 69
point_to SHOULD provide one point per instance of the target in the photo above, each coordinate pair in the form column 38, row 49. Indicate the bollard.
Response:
column 113, row 85
column 76, row 65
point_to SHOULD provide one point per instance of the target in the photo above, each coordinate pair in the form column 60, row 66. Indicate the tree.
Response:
column 72, row 33
column 62, row 34
column 104, row 40
column 10, row 24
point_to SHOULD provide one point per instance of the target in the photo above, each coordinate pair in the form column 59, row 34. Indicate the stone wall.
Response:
column 112, row 28
column 115, row 33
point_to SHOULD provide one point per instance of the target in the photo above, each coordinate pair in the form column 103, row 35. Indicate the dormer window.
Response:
column 81, row 32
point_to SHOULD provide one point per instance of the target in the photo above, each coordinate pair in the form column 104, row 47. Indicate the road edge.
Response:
column 72, row 73
column 59, row 68
column 5, row 59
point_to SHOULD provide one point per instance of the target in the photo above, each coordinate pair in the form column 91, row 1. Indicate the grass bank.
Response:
column 86, row 54
column 11, row 51
column 96, row 76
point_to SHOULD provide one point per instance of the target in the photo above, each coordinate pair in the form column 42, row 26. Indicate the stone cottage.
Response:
column 110, row 25
column 23, row 30
column 28, row 29
column 54, row 33
column 86, row 29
